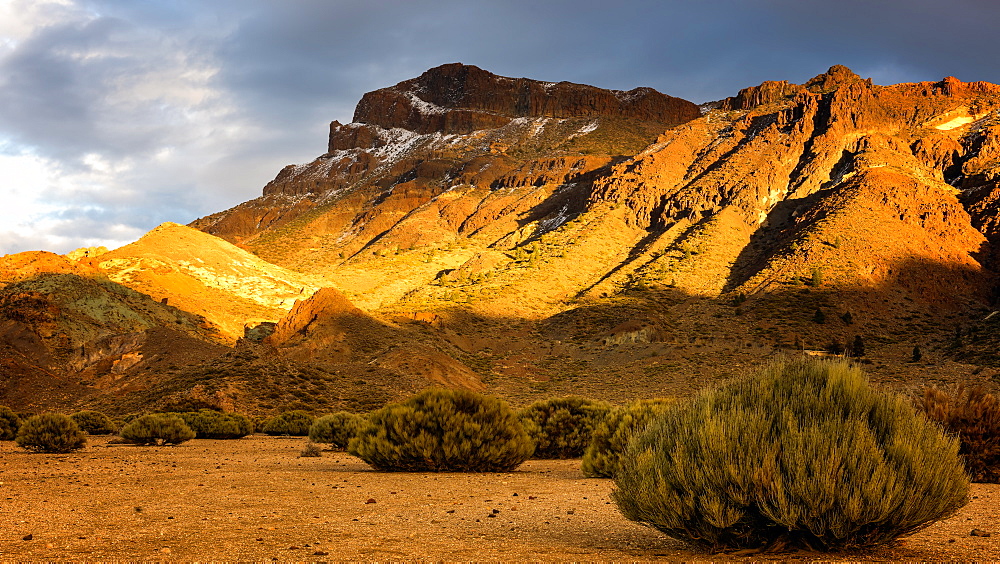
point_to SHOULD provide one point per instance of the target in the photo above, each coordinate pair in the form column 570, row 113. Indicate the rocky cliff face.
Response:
column 454, row 125
column 460, row 99
column 460, row 168
column 527, row 236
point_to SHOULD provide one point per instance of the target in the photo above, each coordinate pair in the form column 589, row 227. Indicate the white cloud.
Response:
column 31, row 219
column 110, row 127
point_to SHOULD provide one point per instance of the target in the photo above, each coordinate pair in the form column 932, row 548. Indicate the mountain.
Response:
column 531, row 239
column 207, row 276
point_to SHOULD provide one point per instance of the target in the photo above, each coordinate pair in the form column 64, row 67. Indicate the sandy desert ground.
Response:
column 255, row 499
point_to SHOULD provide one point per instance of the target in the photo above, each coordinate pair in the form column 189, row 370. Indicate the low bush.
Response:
column 295, row 423
column 50, row 432
column 443, row 430
column 310, row 450
column 94, row 422
column 335, row 429
column 157, row 429
column 973, row 415
column 10, row 422
column 804, row 454
column 561, row 427
column 210, row 424
column 611, row 435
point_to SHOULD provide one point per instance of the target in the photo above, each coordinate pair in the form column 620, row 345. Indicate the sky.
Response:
column 118, row 115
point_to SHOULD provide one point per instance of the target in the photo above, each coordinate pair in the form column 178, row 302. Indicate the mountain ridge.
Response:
column 529, row 238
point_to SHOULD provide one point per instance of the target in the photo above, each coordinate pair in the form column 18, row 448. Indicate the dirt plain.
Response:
column 255, row 499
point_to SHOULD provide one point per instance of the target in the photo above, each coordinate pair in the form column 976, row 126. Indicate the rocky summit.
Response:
column 533, row 239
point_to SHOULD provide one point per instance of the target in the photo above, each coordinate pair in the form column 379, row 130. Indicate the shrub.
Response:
column 9, row 423
column 561, row 427
column 50, row 432
column 335, row 429
column 157, row 429
column 310, row 450
column 94, row 422
column 295, row 423
column 611, row 435
column 210, row 424
column 443, row 430
column 805, row 453
column 973, row 415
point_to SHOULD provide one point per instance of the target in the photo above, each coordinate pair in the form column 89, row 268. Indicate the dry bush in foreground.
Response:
column 295, row 423
column 336, row 429
column 157, row 429
column 210, row 424
column 94, row 422
column 9, row 423
column 443, row 430
column 803, row 453
column 562, row 427
column 973, row 415
column 611, row 435
column 51, row 432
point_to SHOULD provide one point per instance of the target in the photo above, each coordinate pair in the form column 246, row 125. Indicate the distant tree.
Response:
column 848, row 318
column 819, row 316
column 799, row 343
column 817, row 277
column 858, row 347
column 917, row 355
column 835, row 347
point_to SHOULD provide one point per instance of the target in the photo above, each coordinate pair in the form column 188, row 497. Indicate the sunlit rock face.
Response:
column 471, row 230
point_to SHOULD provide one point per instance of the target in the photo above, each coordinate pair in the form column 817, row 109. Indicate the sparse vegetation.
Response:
column 803, row 453
column 335, row 429
column 210, row 424
column 311, row 450
column 9, row 423
column 443, row 430
column 94, row 422
column 612, row 434
column 294, row 423
column 157, row 429
column 974, row 415
column 562, row 427
column 50, row 432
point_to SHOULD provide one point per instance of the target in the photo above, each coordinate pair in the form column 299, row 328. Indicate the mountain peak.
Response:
column 459, row 98
column 835, row 77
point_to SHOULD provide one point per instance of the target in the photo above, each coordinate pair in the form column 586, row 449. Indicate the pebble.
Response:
column 979, row 533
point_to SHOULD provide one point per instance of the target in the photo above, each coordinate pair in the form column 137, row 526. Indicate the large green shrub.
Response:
column 335, row 429
column 974, row 415
column 50, row 432
column 611, row 435
column 94, row 422
column 443, row 430
column 9, row 423
column 157, row 429
column 561, row 427
column 804, row 453
column 295, row 423
column 211, row 424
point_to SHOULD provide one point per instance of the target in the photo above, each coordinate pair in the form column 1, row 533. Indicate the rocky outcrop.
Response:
column 459, row 99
